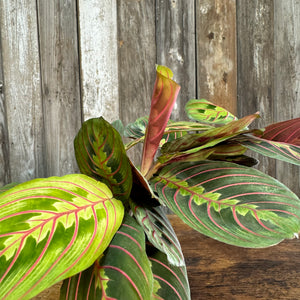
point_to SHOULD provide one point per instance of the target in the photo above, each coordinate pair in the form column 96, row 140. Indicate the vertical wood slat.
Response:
column 287, row 78
column 137, row 57
column 175, row 41
column 4, row 152
column 21, row 71
column 60, row 83
column 99, row 58
column 216, row 51
column 255, row 23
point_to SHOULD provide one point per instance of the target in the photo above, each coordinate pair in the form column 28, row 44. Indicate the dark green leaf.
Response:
column 231, row 203
column 100, row 153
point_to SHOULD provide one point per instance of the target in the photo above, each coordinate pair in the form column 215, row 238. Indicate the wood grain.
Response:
column 220, row 271
column 4, row 151
column 99, row 60
column 137, row 58
column 60, row 83
column 255, row 52
column 287, row 80
column 21, row 71
column 216, row 52
column 175, row 41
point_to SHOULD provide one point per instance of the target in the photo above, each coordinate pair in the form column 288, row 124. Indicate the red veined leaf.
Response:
column 159, row 232
column 136, row 129
column 207, row 112
column 125, row 268
column 194, row 142
column 163, row 99
column 286, row 131
column 82, row 286
column 279, row 150
column 100, row 154
column 51, row 229
column 228, row 202
column 170, row 282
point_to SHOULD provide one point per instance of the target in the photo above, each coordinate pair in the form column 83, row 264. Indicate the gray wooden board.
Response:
column 287, row 77
column 21, row 71
column 175, row 40
column 216, row 52
column 255, row 54
column 137, row 58
column 60, row 83
column 4, row 163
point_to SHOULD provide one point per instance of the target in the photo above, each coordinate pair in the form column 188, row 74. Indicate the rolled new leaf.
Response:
column 230, row 203
column 207, row 112
column 163, row 99
column 170, row 282
column 100, row 153
column 51, row 229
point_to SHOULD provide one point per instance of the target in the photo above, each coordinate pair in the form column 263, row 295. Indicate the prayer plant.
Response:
column 104, row 232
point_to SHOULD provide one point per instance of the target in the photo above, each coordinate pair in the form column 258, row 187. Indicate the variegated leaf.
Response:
column 118, row 125
column 51, row 229
column 170, row 282
column 159, row 232
column 231, row 203
column 194, row 142
column 100, row 153
column 207, row 112
column 279, row 150
column 123, row 272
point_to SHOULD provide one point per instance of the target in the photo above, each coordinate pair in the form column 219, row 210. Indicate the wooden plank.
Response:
column 255, row 52
column 99, row 59
column 21, row 70
column 287, row 77
column 4, row 151
column 137, row 57
column 175, row 40
column 60, row 83
column 220, row 271
column 216, row 51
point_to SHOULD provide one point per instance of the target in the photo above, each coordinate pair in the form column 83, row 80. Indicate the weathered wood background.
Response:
column 64, row 61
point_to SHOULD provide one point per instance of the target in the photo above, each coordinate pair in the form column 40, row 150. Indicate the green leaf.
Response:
column 123, row 272
column 231, row 203
column 171, row 282
column 194, row 142
column 163, row 99
column 118, row 125
column 100, row 154
column 51, row 229
column 159, row 232
column 136, row 129
column 279, row 150
column 207, row 112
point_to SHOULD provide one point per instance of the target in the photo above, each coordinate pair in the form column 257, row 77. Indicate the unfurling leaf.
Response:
column 228, row 202
column 207, row 112
column 163, row 99
column 100, row 153
column 51, row 229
